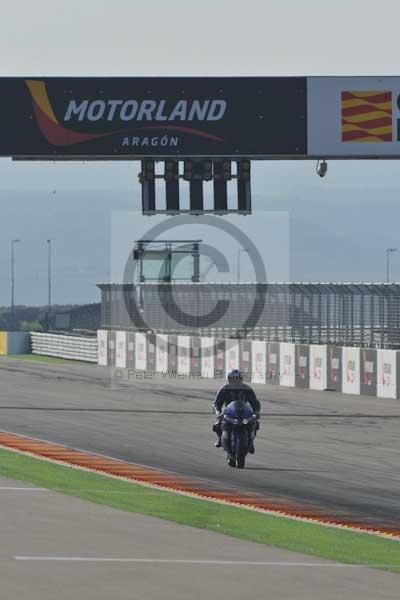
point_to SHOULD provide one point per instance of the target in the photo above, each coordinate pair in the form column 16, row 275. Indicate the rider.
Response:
column 233, row 390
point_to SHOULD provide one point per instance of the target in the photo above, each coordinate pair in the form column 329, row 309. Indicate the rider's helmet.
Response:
column 234, row 375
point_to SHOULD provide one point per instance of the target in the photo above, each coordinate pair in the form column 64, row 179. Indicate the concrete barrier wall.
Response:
column 351, row 379
column 334, row 358
column 368, row 371
column 287, row 373
column 302, row 366
column 102, row 359
column 15, row 342
column 318, row 367
column 388, row 374
column 258, row 365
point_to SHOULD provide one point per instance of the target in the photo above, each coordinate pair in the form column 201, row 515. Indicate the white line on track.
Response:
column 168, row 561
column 6, row 488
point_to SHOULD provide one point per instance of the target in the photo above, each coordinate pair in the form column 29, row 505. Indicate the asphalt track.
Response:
column 338, row 452
column 54, row 546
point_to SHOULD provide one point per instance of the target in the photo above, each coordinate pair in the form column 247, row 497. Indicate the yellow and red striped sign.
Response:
column 367, row 116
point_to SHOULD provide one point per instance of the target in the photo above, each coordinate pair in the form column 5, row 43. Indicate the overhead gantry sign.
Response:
column 205, row 123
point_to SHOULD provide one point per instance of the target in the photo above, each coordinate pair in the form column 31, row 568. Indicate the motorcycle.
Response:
column 239, row 425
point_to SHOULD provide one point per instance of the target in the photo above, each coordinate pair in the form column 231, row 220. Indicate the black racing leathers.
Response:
column 236, row 390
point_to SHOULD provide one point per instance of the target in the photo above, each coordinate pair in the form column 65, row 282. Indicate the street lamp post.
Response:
column 13, row 242
column 389, row 251
column 49, row 274
column 238, row 262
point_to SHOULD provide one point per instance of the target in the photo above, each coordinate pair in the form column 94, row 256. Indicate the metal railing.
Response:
column 364, row 314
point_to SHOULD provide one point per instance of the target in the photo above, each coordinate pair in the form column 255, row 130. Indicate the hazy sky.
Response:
column 354, row 208
column 126, row 37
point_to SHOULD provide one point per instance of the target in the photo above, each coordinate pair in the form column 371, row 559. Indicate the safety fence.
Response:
column 375, row 372
column 346, row 314
column 65, row 346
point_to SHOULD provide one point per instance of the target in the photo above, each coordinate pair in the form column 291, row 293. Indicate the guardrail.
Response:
column 65, row 346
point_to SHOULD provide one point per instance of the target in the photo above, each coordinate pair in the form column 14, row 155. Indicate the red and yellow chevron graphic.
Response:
column 47, row 121
column 367, row 116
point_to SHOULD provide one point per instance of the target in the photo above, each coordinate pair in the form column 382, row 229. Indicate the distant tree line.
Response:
column 37, row 318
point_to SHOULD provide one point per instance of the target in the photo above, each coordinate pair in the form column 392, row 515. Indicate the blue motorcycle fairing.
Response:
column 238, row 411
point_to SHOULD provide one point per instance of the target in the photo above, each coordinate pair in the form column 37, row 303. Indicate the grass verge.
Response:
column 49, row 359
column 307, row 538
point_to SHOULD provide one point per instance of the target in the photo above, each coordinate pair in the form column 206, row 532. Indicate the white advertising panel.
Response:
column 353, row 116
column 350, row 370
column 120, row 349
column 102, row 347
column 318, row 367
column 207, row 357
column 183, row 354
column 286, row 365
column 387, row 374
column 258, row 361
column 161, row 353
column 130, row 354
column 140, row 351
column 231, row 355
